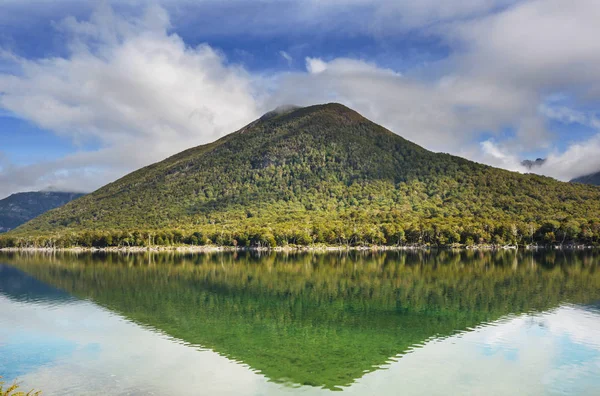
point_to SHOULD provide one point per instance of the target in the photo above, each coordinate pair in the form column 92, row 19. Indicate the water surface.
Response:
column 387, row 323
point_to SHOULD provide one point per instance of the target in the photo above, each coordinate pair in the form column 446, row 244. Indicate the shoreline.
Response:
column 291, row 249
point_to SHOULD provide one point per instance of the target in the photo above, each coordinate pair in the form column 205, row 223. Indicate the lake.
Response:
column 413, row 323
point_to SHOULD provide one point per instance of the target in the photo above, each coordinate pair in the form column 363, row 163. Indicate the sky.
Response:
column 92, row 90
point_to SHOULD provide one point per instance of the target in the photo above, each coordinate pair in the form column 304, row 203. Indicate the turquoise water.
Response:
column 390, row 323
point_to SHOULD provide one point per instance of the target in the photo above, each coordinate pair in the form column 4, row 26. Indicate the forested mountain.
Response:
column 320, row 174
column 22, row 207
column 593, row 178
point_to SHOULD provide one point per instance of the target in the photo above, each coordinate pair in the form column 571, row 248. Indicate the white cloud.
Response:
column 129, row 85
column 578, row 159
column 494, row 155
column 141, row 94
column 543, row 44
column 288, row 58
column 315, row 65
column 347, row 66
column 444, row 114
column 503, row 68
column 102, row 354
column 568, row 115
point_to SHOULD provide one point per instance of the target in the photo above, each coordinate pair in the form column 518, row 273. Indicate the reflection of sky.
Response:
column 556, row 352
column 78, row 347
column 24, row 352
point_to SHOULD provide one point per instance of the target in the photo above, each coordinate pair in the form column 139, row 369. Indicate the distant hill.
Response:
column 593, row 178
column 320, row 174
column 22, row 207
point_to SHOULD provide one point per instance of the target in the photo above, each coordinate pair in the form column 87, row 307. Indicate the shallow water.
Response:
column 388, row 323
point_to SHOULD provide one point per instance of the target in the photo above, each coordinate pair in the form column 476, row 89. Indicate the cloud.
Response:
column 568, row 115
column 508, row 60
column 315, row 65
column 442, row 114
column 579, row 159
column 496, row 156
column 541, row 44
column 268, row 18
column 287, row 57
column 80, row 172
column 132, row 88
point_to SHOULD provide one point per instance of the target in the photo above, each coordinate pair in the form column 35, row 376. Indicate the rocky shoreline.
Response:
column 291, row 248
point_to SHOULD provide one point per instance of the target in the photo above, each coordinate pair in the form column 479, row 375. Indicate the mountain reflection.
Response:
column 315, row 319
column 18, row 286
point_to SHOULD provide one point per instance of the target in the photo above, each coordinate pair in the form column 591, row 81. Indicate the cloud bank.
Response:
column 132, row 88
column 129, row 87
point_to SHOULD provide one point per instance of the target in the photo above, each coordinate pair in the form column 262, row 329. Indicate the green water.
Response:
column 302, row 322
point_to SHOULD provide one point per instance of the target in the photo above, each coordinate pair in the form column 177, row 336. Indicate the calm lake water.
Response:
column 485, row 323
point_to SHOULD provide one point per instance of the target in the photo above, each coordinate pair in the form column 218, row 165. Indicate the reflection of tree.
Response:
column 322, row 319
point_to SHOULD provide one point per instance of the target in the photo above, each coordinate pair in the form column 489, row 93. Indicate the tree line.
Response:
column 335, row 233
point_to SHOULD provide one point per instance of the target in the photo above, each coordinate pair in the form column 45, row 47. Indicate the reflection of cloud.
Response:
column 556, row 351
column 527, row 354
column 115, row 355
column 581, row 326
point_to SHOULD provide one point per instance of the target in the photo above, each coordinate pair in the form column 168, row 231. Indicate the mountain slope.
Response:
column 22, row 207
column 593, row 179
column 322, row 174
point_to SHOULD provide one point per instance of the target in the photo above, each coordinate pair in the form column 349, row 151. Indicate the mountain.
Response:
column 593, row 178
column 530, row 164
column 22, row 207
column 320, row 174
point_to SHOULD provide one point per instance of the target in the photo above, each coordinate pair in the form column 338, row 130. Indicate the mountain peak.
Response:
column 327, row 113
column 530, row 164
column 321, row 113
column 333, row 107
column 280, row 110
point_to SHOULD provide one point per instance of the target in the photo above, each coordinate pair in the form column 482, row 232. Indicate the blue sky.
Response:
column 92, row 90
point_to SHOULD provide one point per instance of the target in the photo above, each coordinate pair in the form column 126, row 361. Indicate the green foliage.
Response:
column 13, row 390
column 321, row 174
column 319, row 319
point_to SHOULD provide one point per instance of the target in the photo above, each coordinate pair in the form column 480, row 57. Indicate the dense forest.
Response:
column 320, row 175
